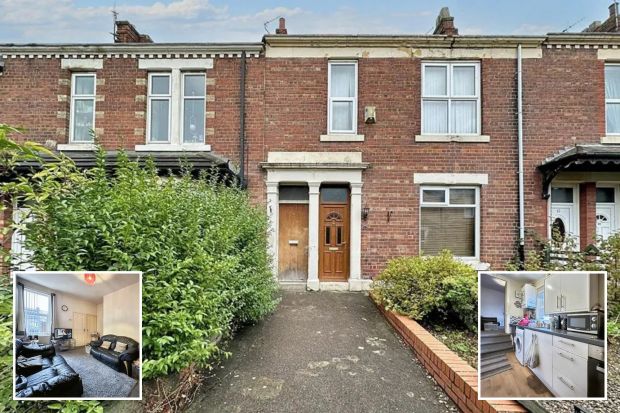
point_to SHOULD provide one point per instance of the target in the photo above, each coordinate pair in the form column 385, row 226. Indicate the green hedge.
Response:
column 438, row 288
column 201, row 245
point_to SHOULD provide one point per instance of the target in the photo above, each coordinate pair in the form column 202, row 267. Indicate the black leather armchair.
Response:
column 52, row 378
column 119, row 361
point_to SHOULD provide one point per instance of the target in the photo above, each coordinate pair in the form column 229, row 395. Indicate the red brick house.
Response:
column 361, row 148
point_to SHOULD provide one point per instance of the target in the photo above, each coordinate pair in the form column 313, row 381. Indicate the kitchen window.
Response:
column 37, row 313
column 612, row 98
column 83, row 97
column 342, row 101
column 450, row 220
column 450, row 98
column 159, row 105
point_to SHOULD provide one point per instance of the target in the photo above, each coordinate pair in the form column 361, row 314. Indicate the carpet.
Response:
column 98, row 379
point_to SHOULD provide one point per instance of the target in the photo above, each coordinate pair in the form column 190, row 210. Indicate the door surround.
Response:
column 315, row 169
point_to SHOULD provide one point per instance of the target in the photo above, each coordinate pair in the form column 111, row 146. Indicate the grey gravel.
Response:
column 612, row 404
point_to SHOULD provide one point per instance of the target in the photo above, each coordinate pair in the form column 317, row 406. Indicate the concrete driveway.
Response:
column 321, row 352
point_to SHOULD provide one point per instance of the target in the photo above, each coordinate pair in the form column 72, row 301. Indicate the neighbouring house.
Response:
column 360, row 147
column 84, row 327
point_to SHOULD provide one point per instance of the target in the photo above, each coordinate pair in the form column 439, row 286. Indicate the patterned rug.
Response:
column 98, row 379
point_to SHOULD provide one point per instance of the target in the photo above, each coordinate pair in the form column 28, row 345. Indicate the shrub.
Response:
column 201, row 245
column 430, row 288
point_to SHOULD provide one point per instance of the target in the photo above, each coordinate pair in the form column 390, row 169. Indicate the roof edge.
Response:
column 116, row 48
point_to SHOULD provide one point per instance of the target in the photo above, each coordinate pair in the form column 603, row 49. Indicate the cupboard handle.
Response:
column 600, row 369
column 567, row 342
column 570, row 386
column 566, row 357
column 557, row 300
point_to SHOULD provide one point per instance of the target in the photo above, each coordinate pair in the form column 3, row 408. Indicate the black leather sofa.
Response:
column 119, row 361
column 49, row 376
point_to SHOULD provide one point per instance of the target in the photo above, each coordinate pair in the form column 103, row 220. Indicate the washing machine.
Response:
column 520, row 344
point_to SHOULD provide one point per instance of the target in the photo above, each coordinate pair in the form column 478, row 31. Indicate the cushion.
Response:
column 120, row 347
column 106, row 344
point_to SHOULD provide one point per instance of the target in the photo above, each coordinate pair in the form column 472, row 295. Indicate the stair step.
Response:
column 496, row 339
column 485, row 374
column 495, row 365
column 487, row 348
column 492, row 360
column 493, row 354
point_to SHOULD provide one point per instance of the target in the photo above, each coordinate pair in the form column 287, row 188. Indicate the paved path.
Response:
column 321, row 352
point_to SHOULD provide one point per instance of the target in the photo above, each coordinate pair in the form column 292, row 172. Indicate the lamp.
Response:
column 90, row 278
column 365, row 212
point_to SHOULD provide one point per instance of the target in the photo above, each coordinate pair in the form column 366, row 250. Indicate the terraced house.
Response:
column 361, row 148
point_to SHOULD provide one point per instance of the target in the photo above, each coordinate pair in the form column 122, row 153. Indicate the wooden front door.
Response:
column 293, row 242
column 334, row 235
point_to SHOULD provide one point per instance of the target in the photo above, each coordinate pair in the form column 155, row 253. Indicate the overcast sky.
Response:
column 90, row 21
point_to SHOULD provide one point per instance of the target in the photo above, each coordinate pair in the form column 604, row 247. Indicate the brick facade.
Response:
column 286, row 111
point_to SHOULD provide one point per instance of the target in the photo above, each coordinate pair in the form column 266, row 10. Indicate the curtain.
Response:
column 19, row 310
column 612, row 113
column 435, row 81
column 435, row 119
column 464, row 118
column 342, row 116
column 463, row 81
column 52, row 314
column 612, row 82
column 342, row 81
column 452, row 229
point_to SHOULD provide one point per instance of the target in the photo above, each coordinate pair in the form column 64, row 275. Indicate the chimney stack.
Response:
column 445, row 23
column 281, row 26
column 126, row 33
column 612, row 10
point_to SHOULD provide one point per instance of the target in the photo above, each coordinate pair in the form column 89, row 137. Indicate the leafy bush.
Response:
column 201, row 245
column 430, row 288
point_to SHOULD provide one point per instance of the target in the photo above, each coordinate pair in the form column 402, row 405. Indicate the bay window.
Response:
column 450, row 220
column 342, row 102
column 83, row 97
column 450, row 98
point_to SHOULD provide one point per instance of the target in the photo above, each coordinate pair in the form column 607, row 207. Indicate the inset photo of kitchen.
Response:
column 542, row 335
column 78, row 335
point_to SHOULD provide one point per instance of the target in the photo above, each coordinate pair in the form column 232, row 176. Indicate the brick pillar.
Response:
column 587, row 214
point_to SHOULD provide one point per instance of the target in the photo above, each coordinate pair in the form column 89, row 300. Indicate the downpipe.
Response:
column 521, row 248
column 242, row 181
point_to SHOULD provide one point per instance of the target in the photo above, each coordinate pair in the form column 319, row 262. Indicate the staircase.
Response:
column 493, row 348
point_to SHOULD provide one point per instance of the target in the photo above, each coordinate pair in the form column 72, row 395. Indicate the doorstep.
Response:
column 350, row 285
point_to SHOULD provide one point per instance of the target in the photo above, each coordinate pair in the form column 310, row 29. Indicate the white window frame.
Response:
column 609, row 100
column 182, row 116
column 75, row 97
column 449, row 65
column 49, row 318
column 149, row 108
column 446, row 204
column 330, row 100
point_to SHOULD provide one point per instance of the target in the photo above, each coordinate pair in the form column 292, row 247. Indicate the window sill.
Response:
column 342, row 137
column 475, row 263
column 166, row 147
column 615, row 139
column 453, row 138
column 76, row 147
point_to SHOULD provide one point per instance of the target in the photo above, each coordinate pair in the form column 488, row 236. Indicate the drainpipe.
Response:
column 520, row 153
column 243, row 181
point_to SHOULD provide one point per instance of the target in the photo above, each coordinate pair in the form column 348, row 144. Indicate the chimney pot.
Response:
column 612, row 10
column 281, row 26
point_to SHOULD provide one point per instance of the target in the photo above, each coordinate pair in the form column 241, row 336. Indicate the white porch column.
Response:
column 355, row 254
column 313, row 236
column 272, row 214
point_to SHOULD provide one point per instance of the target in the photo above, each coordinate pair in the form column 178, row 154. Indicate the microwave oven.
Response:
column 590, row 323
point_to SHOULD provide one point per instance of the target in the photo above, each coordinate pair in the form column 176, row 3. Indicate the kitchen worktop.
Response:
column 572, row 335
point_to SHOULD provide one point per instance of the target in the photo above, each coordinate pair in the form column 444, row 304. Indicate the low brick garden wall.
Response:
column 457, row 378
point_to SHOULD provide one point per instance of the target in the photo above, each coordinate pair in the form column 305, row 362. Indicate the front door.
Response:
column 334, row 234
column 293, row 242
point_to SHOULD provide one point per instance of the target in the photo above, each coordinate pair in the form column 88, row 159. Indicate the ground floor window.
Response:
column 37, row 314
column 450, row 219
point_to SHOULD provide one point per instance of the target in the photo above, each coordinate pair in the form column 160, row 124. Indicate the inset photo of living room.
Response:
column 78, row 335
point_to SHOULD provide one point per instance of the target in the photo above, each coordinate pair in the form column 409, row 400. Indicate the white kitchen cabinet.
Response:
column 569, row 293
column 553, row 291
column 570, row 374
column 544, row 370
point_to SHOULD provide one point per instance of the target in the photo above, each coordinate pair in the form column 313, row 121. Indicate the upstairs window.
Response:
column 449, row 220
column 193, row 108
column 612, row 98
column 342, row 90
column 83, row 96
column 450, row 98
column 159, row 103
